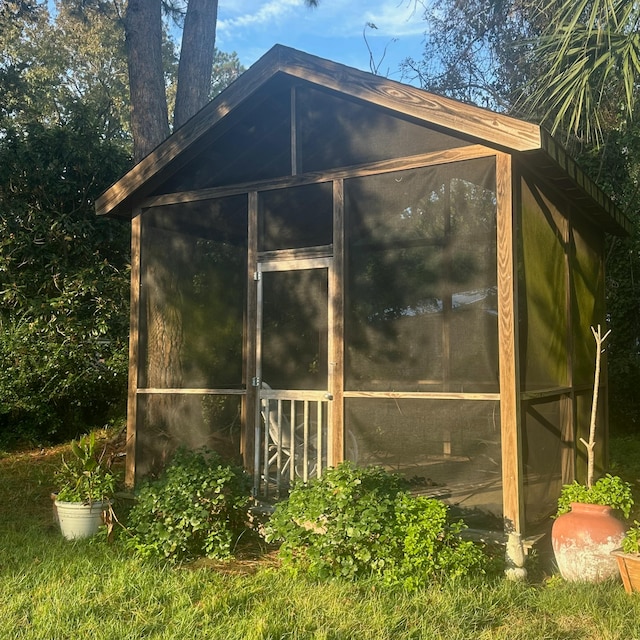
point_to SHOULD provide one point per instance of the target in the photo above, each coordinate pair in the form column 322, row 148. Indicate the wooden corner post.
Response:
column 134, row 334
column 511, row 435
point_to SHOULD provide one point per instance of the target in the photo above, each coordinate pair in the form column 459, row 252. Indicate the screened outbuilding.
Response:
column 328, row 264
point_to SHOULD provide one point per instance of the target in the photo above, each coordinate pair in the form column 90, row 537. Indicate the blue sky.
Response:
column 333, row 30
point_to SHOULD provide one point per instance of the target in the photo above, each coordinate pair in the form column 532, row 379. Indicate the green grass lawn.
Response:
column 52, row 589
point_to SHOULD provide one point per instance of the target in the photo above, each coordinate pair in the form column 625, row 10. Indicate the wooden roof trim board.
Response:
column 484, row 126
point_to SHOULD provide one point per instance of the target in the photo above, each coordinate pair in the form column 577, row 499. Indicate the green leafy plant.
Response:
column 85, row 476
column 361, row 522
column 631, row 542
column 198, row 507
column 608, row 490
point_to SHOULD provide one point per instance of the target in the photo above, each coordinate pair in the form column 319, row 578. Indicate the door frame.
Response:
column 286, row 261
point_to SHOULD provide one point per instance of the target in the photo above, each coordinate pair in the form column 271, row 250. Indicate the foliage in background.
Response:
column 360, row 523
column 590, row 55
column 609, row 490
column 63, row 281
column 198, row 507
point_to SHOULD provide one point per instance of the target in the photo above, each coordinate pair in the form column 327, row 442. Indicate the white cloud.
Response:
column 339, row 18
column 267, row 14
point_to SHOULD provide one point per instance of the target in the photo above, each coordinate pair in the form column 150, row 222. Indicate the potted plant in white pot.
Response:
column 628, row 558
column 586, row 531
column 85, row 488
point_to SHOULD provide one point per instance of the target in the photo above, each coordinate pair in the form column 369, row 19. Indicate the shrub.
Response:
column 85, row 476
column 361, row 522
column 198, row 507
column 608, row 490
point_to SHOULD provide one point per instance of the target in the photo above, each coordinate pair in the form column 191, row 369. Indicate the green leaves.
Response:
column 86, row 476
column 360, row 522
column 590, row 54
column 631, row 542
column 609, row 490
column 198, row 507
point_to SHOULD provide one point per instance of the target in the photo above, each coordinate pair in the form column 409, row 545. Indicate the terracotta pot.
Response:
column 583, row 540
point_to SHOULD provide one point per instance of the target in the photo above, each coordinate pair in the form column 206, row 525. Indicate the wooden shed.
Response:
column 328, row 264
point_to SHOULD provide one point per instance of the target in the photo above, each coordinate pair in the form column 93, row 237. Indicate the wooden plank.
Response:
column 512, row 473
column 471, row 152
column 336, row 327
column 294, row 394
column 304, row 253
column 252, row 413
column 422, row 395
column 296, row 265
column 134, row 338
column 536, row 394
column 190, row 392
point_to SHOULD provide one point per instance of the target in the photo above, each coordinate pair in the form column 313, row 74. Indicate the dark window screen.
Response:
column 192, row 297
column 295, row 329
column 588, row 299
column 542, row 293
column 542, row 457
column 335, row 132
column 252, row 143
column 421, row 307
column 295, row 218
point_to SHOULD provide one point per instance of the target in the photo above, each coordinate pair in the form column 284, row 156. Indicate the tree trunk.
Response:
column 149, row 116
column 196, row 59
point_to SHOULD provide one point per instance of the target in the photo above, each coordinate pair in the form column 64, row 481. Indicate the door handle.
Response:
column 328, row 396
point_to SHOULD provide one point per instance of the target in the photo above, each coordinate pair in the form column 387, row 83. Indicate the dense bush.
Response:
column 361, row 522
column 198, row 507
column 63, row 283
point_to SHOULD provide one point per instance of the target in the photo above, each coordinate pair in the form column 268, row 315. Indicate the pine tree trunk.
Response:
column 149, row 116
column 196, row 59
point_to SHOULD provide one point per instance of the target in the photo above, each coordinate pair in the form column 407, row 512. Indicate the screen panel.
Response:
column 296, row 217
column 333, row 132
column 588, row 298
column 192, row 297
column 421, row 294
column 251, row 143
column 544, row 447
column 542, row 291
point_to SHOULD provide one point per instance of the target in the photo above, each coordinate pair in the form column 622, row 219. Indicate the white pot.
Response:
column 79, row 520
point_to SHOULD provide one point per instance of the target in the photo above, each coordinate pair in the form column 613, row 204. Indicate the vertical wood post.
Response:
column 336, row 333
column 510, row 420
column 134, row 352
column 250, row 409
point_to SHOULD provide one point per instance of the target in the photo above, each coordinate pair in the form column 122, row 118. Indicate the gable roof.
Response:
column 483, row 126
